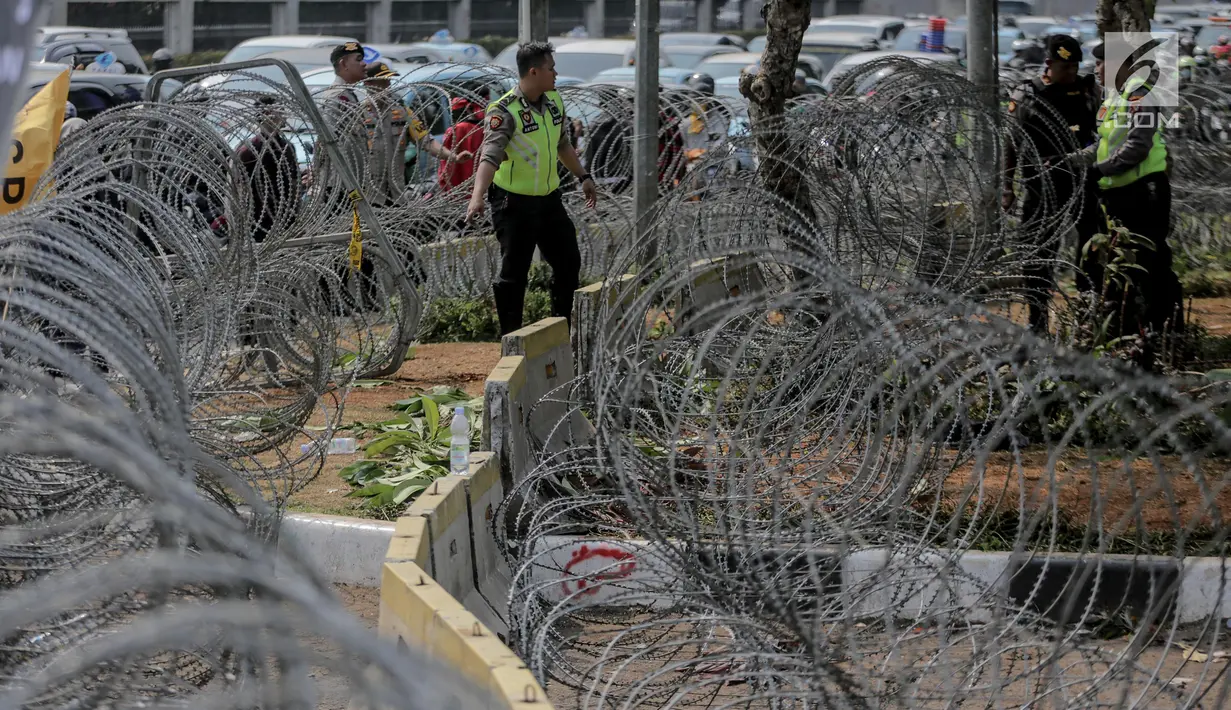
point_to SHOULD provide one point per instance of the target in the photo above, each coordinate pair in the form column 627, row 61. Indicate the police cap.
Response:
column 344, row 49
column 380, row 70
column 1098, row 51
column 1063, row 48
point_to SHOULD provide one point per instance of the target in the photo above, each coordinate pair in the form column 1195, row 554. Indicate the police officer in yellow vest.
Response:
column 525, row 138
column 1130, row 163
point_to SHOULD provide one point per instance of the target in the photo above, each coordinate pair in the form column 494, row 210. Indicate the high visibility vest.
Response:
column 529, row 166
column 1113, row 130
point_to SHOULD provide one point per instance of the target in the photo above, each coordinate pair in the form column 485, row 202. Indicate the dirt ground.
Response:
column 695, row 669
column 333, row 690
column 461, row 365
column 1165, row 505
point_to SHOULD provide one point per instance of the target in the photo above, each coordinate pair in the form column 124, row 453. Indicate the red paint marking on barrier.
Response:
column 590, row 583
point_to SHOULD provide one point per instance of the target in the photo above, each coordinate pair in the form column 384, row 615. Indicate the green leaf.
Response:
column 432, row 414
column 406, row 490
column 361, row 473
column 413, row 405
column 376, row 489
column 384, row 442
column 370, row 384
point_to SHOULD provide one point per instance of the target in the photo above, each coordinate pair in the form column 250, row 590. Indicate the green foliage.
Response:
column 406, row 453
column 1204, row 272
column 459, row 320
column 454, row 320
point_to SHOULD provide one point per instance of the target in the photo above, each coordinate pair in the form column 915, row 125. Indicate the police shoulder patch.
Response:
column 495, row 122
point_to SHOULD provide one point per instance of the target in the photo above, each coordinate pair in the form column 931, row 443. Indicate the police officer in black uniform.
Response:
column 1057, row 114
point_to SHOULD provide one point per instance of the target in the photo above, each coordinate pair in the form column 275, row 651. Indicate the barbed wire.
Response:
column 794, row 425
column 809, row 422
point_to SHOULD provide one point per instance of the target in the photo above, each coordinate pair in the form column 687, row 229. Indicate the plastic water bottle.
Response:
column 459, row 446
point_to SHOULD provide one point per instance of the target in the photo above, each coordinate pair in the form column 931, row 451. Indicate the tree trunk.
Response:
column 1124, row 15
column 767, row 92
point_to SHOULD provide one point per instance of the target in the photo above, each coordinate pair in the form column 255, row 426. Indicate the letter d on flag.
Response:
column 36, row 133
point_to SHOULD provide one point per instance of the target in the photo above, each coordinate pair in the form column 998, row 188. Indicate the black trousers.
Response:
column 1155, row 298
column 523, row 222
column 1043, row 208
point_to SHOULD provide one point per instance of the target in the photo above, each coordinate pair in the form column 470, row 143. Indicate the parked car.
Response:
column 257, row 46
column 507, row 57
column 1036, row 26
column 408, row 53
column 80, row 45
column 726, row 65
column 587, row 58
column 689, row 56
column 829, row 48
column 452, row 51
column 849, row 63
column 912, row 36
column 667, row 76
column 1209, row 33
column 92, row 92
column 699, row 39
column 883, row 28
column 305, row 60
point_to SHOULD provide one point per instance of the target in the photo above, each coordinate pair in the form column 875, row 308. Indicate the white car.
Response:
column 846, row 64
column 257, row 46
column 587, row 58
column 507, row 57
column 883, row 28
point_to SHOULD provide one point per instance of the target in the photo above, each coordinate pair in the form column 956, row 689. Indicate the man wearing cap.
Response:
column 1056, row 114
column 342, row 109
column 524, row 140
column 1130, row 163
column 391, row 128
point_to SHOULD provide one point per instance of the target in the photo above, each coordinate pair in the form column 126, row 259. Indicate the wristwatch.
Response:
column 581, row 180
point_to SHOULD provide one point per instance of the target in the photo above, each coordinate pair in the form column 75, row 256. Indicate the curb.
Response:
column 345, row 550
column 878, row 582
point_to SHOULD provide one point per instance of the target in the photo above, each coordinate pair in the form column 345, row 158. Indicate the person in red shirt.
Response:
column 465, row 136
column 1222, row 50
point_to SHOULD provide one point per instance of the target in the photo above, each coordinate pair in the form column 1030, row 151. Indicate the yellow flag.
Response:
column 36, row 133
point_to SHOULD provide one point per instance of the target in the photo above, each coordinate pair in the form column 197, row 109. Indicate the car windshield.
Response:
column 854, row 27
column 1208, row 36
column 247, row 80
column 240, row 54
column 729, row 89
column 587, row 64
column 757, row 44
column 1033, row 28
column 686, row 58
column 720, row 69
column 911, row 38
column 828, row 56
